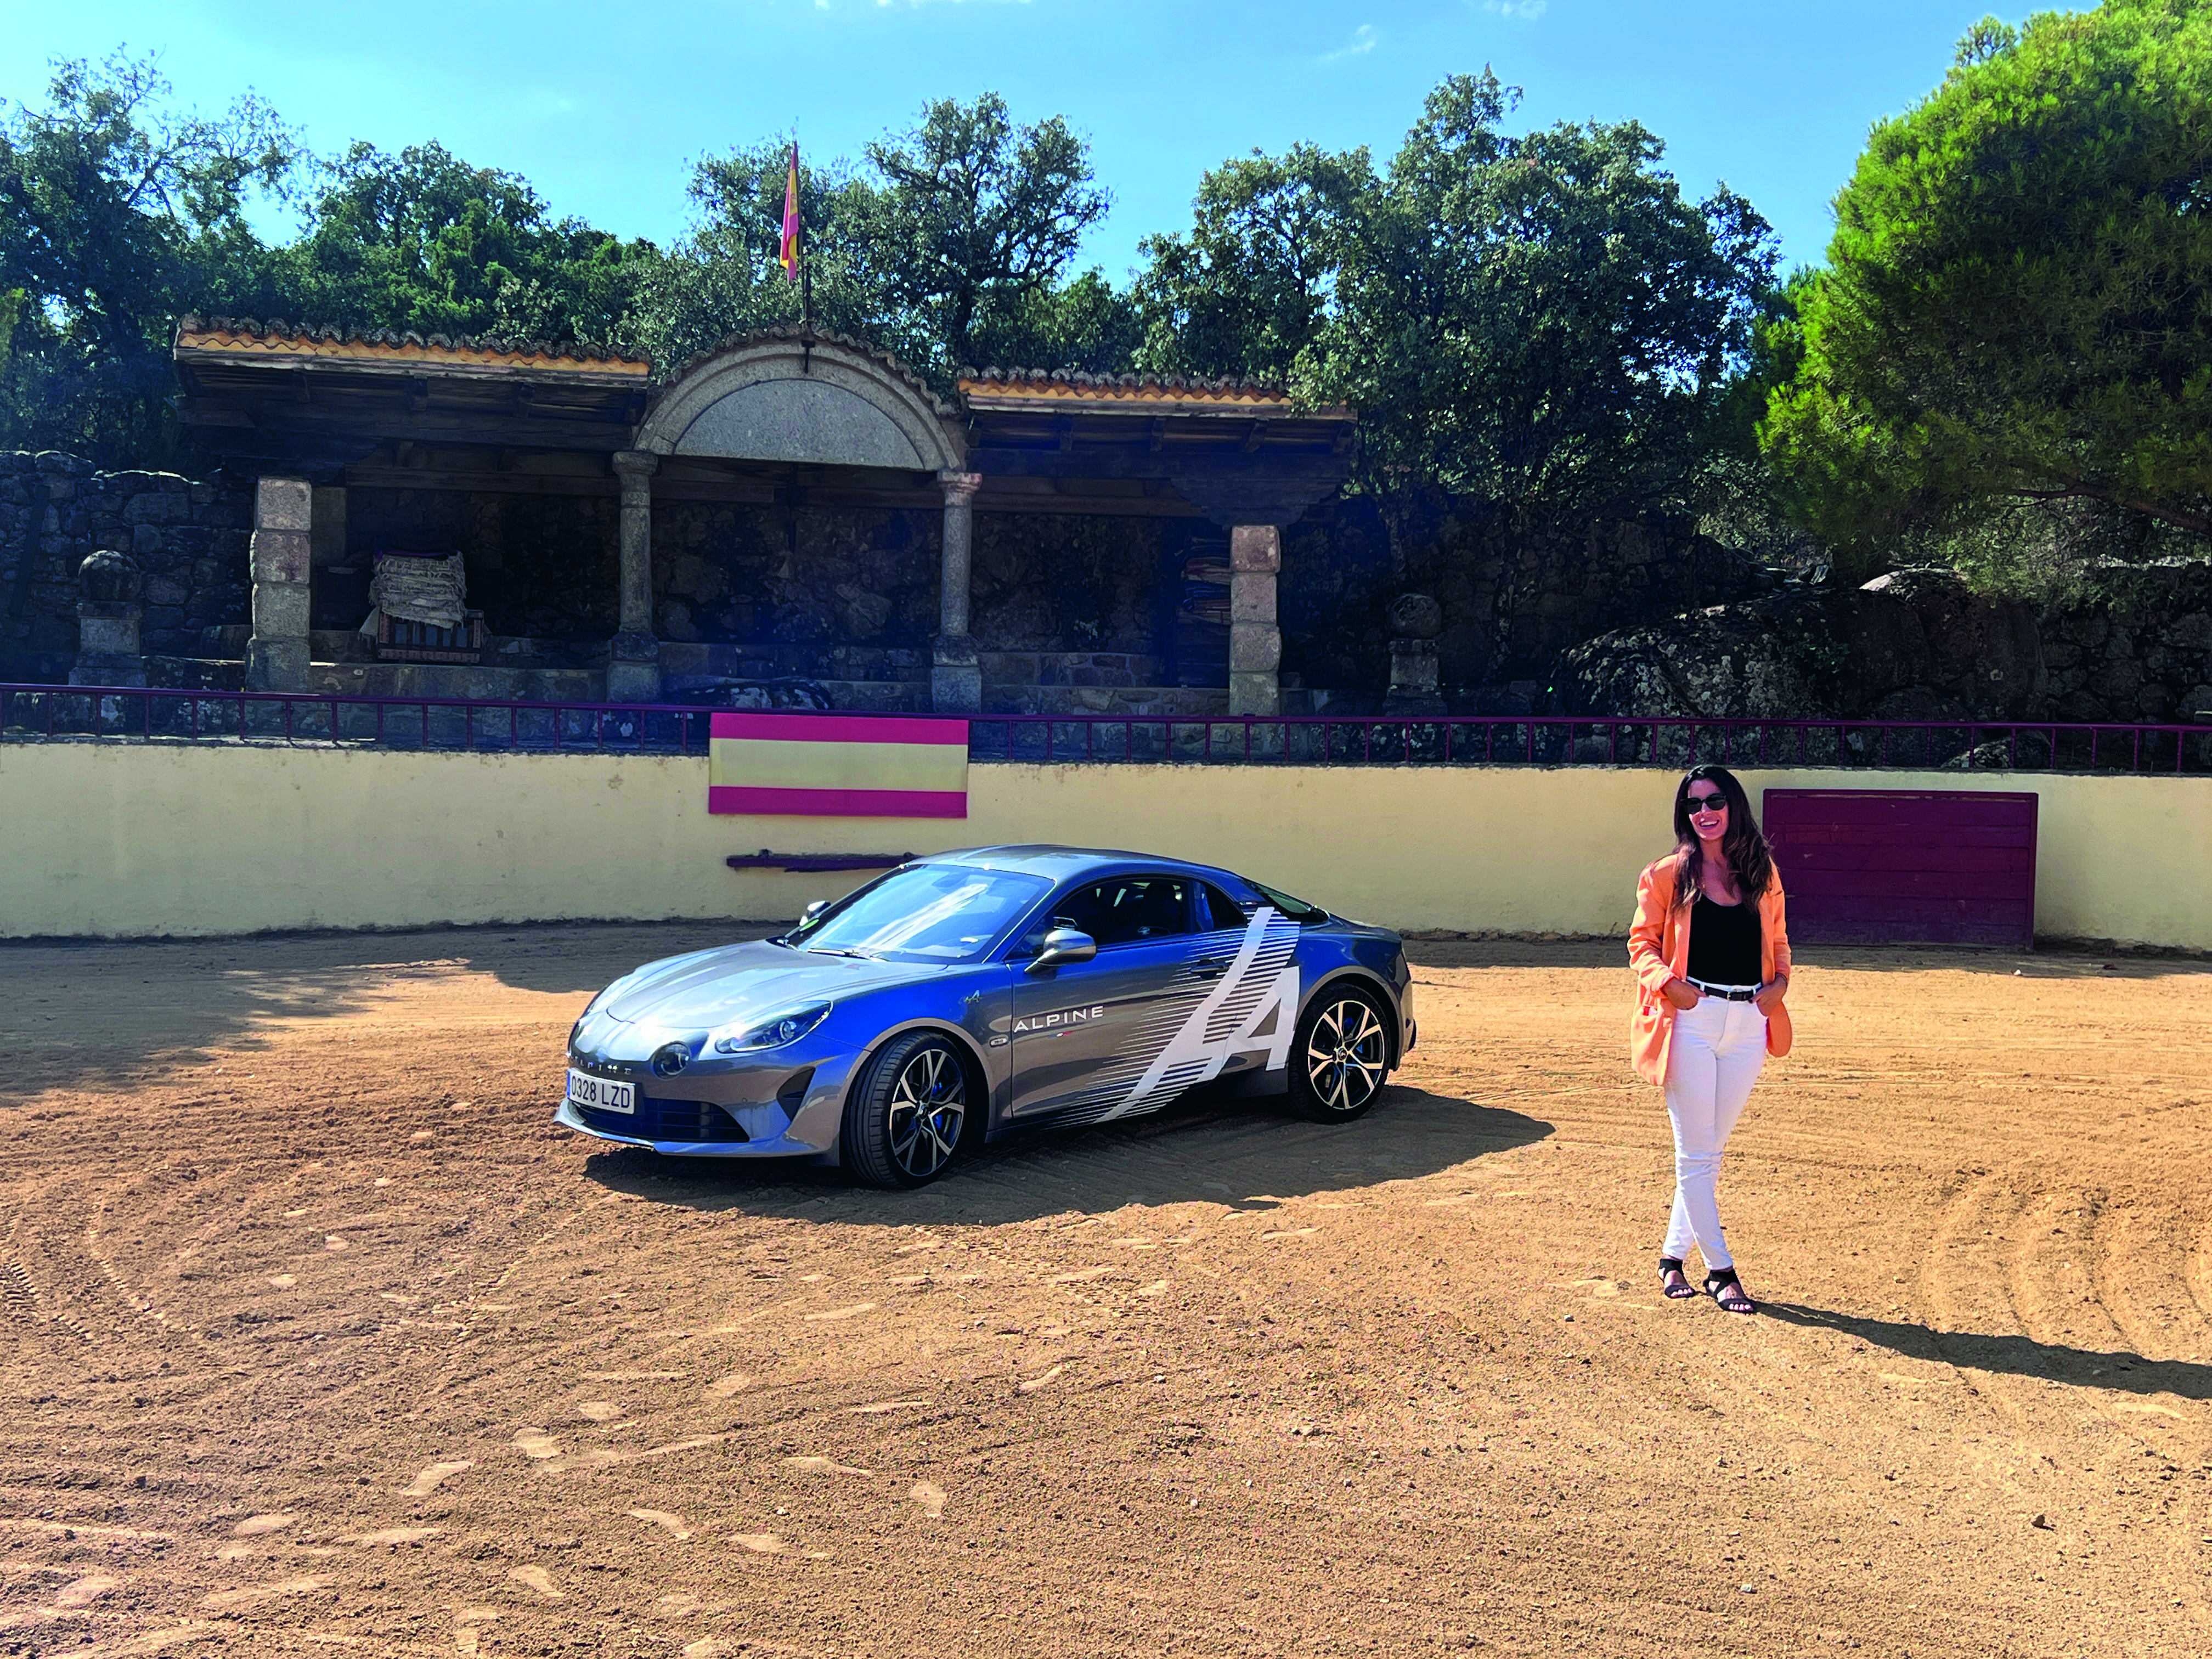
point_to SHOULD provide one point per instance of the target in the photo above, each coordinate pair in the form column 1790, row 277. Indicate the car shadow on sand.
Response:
column 1242, row 1154
column 2009, row 1356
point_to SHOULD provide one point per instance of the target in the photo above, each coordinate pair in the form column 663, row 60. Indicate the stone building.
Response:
column 790, row 514
column 770, row 524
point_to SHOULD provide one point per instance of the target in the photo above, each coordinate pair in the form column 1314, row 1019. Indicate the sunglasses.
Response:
column 1707, row 803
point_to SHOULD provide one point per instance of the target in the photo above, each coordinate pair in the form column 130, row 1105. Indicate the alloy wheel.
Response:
column 1346, row 1055
column 928, row 1104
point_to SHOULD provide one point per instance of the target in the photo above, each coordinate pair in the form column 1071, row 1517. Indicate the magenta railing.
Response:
column 112, row 714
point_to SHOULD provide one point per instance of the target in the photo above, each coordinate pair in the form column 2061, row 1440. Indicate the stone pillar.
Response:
column 955, row 676
column 281, row 557
column 107, row 618
column 1416, row 620
column 1255, row 640
column 634, row 663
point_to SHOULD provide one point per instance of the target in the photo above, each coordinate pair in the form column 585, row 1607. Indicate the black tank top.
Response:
column 1724, row 943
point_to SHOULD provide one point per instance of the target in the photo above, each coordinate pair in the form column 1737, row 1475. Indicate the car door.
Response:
column 1083, row 1033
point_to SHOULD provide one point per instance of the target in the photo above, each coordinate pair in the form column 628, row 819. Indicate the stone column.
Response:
column 107, row 618
column 281, row 557
column 955, row 676
column 1255, row 640
column 1416, row 620
column 634, row 663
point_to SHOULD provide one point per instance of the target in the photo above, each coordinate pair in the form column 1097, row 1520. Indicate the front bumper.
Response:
column 787, row 1105
column 781, row 1146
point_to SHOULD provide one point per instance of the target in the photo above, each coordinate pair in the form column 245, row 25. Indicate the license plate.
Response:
column 602, row 1095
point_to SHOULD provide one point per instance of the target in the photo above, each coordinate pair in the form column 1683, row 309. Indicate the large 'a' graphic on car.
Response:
column 1188, row 1036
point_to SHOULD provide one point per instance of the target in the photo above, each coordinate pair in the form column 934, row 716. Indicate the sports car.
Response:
column 967, row 996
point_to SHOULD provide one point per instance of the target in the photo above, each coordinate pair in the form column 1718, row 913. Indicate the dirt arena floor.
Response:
column 322, row 1338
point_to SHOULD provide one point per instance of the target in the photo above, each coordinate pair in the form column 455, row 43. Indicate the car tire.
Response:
column 1341, row 1055
column 905, row 1118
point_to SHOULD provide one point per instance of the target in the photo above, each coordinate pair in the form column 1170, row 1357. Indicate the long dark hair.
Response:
column 1745, row 848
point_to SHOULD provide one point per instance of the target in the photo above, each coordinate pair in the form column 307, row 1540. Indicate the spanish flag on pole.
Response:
column 849, row 766
column 789, row 258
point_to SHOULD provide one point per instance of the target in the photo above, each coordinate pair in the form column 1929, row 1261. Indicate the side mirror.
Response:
column 1063, row 945
column 812, row 913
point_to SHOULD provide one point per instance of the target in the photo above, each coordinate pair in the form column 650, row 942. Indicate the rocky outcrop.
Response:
column 1916, row 645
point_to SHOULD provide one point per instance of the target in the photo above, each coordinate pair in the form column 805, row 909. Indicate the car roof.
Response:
column 1058, row 864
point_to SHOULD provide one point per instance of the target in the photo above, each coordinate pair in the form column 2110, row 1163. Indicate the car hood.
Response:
column 711, row 988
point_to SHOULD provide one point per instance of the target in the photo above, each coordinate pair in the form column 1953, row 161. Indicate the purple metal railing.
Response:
column 37, row 712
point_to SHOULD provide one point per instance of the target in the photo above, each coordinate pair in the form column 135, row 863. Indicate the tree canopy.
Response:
column 1543, row 320
column 115, row 216
column 2014, row 322
column 422, row 240
column 951, row 245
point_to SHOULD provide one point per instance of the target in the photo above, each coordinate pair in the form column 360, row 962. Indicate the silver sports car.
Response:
column 970, row 995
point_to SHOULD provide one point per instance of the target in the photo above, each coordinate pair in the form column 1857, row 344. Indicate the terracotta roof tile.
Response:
column 1000, row 388
column 247, row 337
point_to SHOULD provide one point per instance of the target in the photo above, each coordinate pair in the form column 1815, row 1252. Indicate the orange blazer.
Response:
column 1659, row 950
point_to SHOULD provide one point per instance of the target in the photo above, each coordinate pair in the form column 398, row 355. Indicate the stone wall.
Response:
column 798, row 585
column 1917, row 645
column 1680, row 624
column 189, row 539
column 1515, row 596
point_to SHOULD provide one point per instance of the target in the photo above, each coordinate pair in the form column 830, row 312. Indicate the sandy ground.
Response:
column 321, row 1339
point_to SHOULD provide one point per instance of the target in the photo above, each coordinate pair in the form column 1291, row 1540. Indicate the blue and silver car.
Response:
column 972, row 995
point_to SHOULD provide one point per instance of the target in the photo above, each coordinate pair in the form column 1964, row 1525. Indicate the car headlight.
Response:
column 774, row 1032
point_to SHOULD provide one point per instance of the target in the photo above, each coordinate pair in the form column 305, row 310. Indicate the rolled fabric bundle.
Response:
column 424, row 587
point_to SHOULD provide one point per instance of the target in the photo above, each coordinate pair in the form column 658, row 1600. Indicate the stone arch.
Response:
column 789, row 396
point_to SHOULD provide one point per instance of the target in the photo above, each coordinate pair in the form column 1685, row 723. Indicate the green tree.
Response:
column 1085, row 324
column 115, row 216
column 1254, row 283
column 725, row 278
column 2016, row 312
column 1542, row 321
column 423, row 241
column 950, row 246
column 976, row 219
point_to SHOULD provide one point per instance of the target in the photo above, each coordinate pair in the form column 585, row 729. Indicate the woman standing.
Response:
column 1712, row 958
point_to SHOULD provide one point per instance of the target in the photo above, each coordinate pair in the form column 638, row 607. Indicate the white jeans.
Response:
column 1717, row 1052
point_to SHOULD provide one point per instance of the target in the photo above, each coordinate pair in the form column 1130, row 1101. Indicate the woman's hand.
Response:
column 1682, row 993
column 1771, row 996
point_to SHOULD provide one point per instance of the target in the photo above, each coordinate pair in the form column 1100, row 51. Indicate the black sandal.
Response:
column 1668, row 1264
column 1727, row 1292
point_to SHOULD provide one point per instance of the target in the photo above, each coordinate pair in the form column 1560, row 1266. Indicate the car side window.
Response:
column 1217, row 911
column 1127, row 909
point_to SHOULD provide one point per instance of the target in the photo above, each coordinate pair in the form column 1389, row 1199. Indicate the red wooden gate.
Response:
column 1878, row 867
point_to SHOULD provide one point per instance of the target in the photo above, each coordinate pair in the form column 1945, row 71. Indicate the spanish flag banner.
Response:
column 788, row 256
column 853, row 765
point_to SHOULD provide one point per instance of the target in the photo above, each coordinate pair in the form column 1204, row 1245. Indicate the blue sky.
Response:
column 604, row 106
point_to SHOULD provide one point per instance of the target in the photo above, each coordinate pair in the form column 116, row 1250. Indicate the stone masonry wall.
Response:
column 1514, row 597
column 189, row 539
column 1918, row 645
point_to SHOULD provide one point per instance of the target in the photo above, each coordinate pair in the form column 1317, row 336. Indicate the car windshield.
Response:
column 1296, row 910
column 925, row 913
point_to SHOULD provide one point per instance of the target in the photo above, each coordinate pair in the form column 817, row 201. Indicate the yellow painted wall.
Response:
column 134, row 841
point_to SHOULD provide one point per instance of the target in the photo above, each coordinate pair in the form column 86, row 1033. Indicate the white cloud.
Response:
column 1362, row 43
column 1525, row 10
